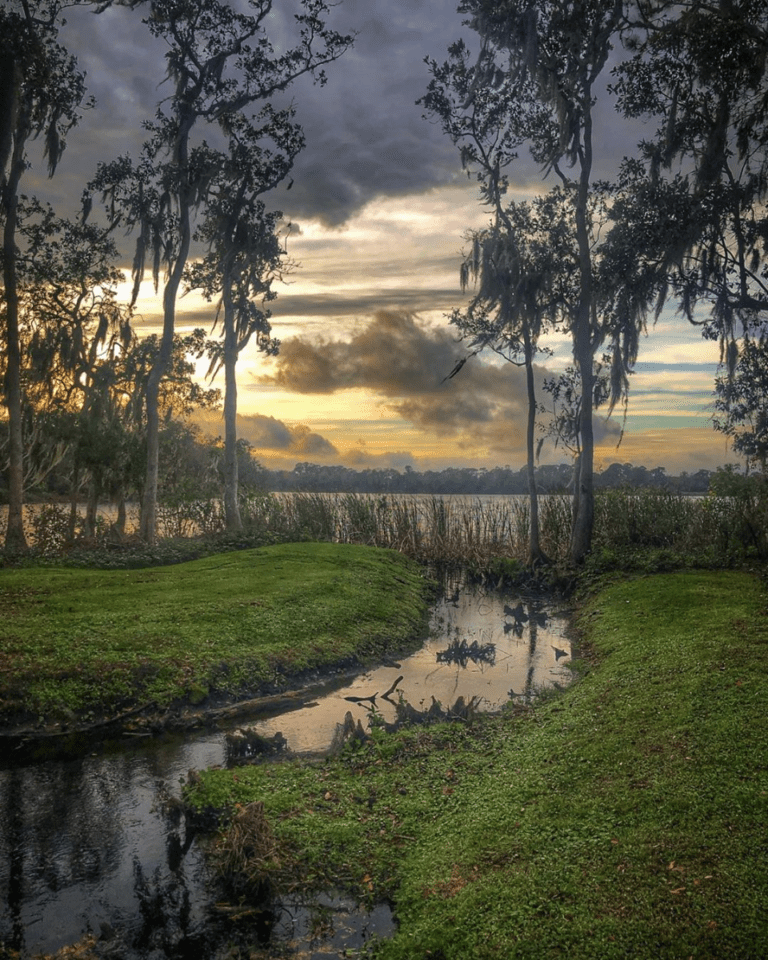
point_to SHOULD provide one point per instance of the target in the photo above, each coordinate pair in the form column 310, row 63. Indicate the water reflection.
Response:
column 93, row 845
column 87, row 844
column 479, row 646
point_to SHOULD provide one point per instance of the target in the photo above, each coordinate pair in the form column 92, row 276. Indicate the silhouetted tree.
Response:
column 741, row 402
column 695, row 195
column 220, row 62
column 522, row 262
column 540, row 65
column 41, row 91
column 244, row 257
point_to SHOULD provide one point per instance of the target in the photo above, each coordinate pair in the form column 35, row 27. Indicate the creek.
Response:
column 96, row 844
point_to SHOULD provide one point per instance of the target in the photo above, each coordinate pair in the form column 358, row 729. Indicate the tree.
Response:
column 42, row 92
column 741, row 400
column 244, row 257
column 695, row 198
column 517, row 263
column 71, row 327
column 547, row 58
column 220, row 62
column 696, row 193
column 524, row 267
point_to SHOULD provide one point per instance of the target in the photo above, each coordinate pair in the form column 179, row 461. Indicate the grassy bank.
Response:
column 99, row 641
column 627, row 817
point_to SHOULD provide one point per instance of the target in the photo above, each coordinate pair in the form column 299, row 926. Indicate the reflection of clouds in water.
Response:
column 524, row 661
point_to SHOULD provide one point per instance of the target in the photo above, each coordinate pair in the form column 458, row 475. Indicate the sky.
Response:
column 379, row 210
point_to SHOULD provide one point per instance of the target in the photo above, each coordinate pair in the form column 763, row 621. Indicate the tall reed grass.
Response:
column 647, row 529
column 675, row 529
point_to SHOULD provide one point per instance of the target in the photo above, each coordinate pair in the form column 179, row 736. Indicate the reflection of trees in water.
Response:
column 461, row 653
column 61, row 828
column 164, row 907
column 12, row 852
column 531, row 619
column 73, row 826
column 533, row 637
column 64, row 828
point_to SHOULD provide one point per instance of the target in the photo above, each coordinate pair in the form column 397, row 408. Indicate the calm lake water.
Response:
column 108, row 513
column 93, row 845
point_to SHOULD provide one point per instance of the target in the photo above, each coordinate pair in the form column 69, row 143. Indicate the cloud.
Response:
column 270, row 434
column 392, row 355
column 405, row 363
column 364, row 132
column 366, row 136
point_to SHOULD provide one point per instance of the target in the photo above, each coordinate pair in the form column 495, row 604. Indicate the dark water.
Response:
column 93, row 845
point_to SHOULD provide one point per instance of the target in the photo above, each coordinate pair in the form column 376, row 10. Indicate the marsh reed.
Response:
column 713, row 531
column 431, row 529
column 634, row 529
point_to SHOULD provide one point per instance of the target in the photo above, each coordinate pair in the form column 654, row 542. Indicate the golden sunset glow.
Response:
column 375, row 226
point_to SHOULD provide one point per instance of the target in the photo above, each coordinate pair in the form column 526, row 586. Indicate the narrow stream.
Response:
column 92, row 845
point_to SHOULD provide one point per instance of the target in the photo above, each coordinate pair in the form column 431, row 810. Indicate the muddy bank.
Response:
column 28, row 740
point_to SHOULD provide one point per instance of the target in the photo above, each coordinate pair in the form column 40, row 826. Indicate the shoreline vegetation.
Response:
column 625, row 816
column 635, row 529
column 78, row 655
column 83, row 646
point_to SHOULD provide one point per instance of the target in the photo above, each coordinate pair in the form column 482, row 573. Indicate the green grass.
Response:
column 224, row 625
column 627, row 817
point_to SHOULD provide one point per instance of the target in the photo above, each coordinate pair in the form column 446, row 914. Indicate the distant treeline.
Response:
column 315, row 478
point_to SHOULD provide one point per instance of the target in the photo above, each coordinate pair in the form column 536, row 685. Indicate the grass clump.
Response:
column 626, row 817
column 96, row 640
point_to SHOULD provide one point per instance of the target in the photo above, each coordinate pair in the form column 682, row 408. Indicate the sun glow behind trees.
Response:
column 336, row 295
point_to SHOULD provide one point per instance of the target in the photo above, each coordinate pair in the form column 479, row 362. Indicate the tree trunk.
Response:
column 119, row 524
column 148, row 519
column 575, row 481
column 584, row 496
column 95, row 490
column 148, row 524
column 15, row 540
column 231, row 505
column 92, row 507
column 583, row 352
column 72, row 525
column 535, row 554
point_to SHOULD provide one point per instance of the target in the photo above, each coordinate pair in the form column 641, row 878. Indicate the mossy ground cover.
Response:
column 626, row 817
column 96, row 640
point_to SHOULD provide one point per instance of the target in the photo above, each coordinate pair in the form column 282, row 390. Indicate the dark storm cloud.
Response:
column 366, row 136
column 406, row 363
column 365, row 133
